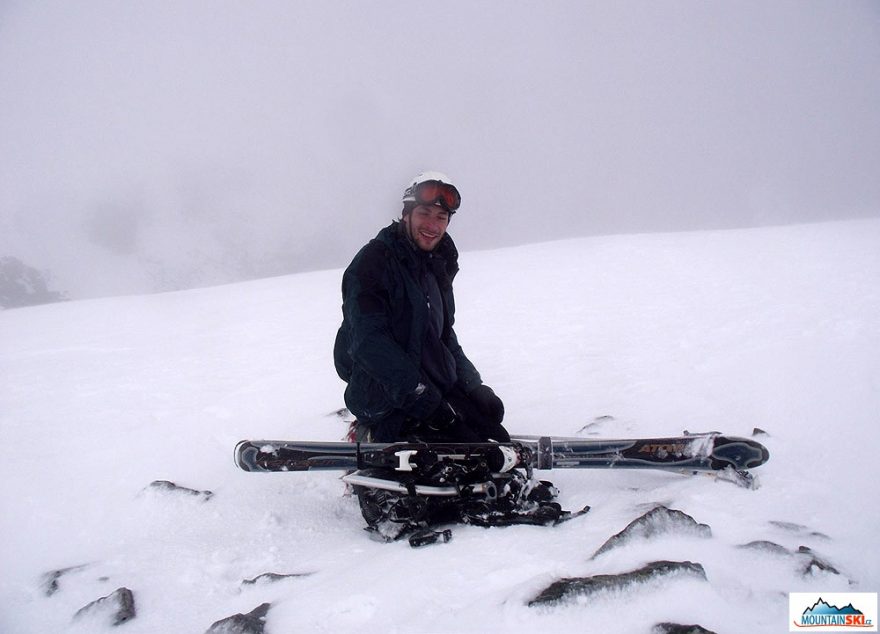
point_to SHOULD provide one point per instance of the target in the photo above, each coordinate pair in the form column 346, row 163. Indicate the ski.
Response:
column 696, row 452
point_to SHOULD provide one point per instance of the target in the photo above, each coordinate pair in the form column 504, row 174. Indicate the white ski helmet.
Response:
column 432, row 188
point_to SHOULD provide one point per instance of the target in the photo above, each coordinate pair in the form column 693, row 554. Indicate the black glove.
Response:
column 443, row 418
column 488, row 403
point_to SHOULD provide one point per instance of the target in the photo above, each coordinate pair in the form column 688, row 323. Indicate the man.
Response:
column 408, row 378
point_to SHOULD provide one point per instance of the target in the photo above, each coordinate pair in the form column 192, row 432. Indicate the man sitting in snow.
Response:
column 408, row 378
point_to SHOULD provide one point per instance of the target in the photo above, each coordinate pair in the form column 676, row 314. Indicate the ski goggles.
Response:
column 434, row 193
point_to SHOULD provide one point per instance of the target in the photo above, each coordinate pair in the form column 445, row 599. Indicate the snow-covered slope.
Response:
column 777, row 328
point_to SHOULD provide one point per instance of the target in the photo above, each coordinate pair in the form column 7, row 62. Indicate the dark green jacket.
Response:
column 378, row 348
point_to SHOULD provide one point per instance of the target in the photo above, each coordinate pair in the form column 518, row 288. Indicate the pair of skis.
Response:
column 710, row 452
column 408, row 488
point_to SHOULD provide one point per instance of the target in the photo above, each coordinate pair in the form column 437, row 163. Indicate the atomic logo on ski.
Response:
column 663, row 450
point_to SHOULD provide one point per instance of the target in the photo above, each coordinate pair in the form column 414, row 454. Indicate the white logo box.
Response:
column 832, row 612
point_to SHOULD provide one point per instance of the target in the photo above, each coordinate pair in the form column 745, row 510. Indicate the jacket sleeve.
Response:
column 366, row 307
column 468, row 376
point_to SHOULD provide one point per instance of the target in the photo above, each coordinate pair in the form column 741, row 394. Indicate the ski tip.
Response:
column 739, row 453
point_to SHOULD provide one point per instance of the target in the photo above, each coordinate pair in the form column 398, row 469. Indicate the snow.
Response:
column 775, row 328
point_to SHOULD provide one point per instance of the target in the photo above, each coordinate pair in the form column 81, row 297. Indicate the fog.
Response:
column 159, row 145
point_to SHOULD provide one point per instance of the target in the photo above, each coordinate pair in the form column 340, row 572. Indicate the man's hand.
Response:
column 443, row 418
column 488, row 403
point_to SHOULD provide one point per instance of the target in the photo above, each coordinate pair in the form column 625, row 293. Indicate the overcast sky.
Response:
column 157, row 144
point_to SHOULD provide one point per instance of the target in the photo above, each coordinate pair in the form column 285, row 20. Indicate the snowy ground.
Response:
column 777, row 328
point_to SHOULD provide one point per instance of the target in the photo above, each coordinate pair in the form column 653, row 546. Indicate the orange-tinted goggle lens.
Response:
column 433, row 192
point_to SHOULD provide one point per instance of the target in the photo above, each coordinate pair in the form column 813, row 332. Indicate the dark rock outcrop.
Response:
column 813, row 562
column 676, row 628
column 658, row 521
column 799, row 529
column 808, row 561
column 165, row 486
column 251, row 623
column 49, row 581
column 765, row 546
column 571, row 587
column 115, row 608
column 271, row 577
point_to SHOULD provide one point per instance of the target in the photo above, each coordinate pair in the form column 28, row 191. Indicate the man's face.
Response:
column 427, row 225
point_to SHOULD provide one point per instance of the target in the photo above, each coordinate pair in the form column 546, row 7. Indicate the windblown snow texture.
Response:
column 621, row 336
